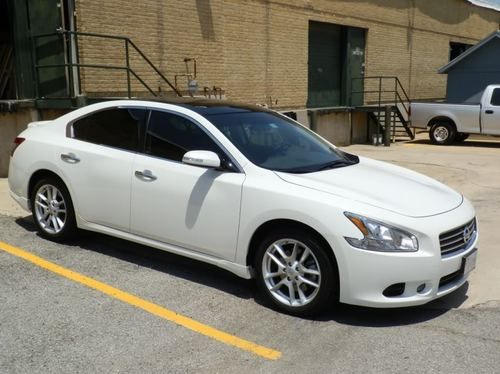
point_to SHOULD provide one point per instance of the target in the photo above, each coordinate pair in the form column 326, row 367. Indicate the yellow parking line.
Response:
column 145, row 305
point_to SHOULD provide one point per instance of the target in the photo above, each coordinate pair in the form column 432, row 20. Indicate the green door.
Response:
column 325, row 61
column 45, row 16
column 354, row 65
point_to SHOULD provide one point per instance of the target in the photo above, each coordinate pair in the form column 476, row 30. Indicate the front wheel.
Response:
column 442, row 133
column 294, row 273
column 53, row 210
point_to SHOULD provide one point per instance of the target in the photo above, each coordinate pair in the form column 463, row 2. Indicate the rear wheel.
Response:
column 442, row 133
column 53, row 210
column 294, row 272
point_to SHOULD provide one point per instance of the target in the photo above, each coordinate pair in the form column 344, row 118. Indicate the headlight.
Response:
column 381, row 237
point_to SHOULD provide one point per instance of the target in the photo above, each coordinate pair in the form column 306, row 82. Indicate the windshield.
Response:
column 276, row 143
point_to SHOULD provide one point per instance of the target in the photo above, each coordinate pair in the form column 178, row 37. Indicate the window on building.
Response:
column 118, row 127
column 456, row 49
column 170, row 136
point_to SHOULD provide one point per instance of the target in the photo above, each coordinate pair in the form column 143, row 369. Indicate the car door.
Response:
column 491, row 114
column 97, row 162
column 189, row 206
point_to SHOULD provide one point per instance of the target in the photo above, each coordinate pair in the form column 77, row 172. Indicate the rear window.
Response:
column 117, row 127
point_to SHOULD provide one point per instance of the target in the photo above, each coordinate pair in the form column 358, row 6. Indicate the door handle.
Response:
column 70, row 158
column 145, row 175
column 489, row 112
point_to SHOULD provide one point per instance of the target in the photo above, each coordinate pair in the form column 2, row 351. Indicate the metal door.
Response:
column 45, row 17
column 325, row 61
column 354, row 66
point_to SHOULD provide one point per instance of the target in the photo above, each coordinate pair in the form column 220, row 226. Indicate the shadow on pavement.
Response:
column 26, row 223
column 475, row 143
column 158, row 260
column 212, row 276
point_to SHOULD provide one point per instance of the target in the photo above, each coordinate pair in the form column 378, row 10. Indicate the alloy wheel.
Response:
column 291, row 272
column 50, row 209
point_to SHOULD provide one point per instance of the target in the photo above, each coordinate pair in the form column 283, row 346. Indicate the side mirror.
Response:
column 206, row 159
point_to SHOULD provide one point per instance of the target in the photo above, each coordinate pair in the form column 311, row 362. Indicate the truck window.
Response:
column 495, row 98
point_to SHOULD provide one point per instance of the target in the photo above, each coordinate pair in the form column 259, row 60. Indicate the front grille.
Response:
column 458, row 239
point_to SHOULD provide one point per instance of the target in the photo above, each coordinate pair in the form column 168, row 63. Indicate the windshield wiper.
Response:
column 335, row 164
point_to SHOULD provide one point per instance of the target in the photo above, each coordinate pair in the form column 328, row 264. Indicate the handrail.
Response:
column 400, row 94
column 400, row 101
column 127, row 42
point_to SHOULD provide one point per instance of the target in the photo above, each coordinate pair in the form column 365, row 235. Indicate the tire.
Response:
column 442, row 133
column 460, row 137
column 306, row 282
column 52, row 210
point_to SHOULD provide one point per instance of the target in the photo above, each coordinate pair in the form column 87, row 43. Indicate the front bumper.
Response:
column 367, row 274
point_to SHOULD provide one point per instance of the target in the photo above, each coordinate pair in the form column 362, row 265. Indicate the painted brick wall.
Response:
column 256, row 50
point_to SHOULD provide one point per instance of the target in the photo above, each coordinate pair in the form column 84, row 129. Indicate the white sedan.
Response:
column 251, row 191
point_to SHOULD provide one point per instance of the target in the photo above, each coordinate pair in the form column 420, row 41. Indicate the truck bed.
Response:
column 466, row 115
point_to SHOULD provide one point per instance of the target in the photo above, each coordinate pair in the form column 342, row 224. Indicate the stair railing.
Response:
column 388, row 90
column 72, row 38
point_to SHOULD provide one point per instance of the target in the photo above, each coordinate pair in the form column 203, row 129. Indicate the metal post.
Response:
column 74, row 35
column 313, row 116
column 128, row 68
column 69, row 71
column 396, row 95
column 379, row 109
column 387, row 128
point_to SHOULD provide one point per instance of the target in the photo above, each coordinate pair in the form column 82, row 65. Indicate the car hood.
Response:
column 382, row 185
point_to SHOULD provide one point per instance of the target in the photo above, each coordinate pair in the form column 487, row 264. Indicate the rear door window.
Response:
column 117, row 127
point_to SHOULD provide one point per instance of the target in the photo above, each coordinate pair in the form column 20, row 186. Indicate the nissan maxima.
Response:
column 251, row 191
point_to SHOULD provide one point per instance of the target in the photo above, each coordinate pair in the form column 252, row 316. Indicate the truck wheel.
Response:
column 442, row 133
column 461, row 137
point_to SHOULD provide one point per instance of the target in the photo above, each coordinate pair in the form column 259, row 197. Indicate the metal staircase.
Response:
column 382, row 95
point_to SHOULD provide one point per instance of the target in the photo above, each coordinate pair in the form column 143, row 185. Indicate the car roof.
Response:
column 206, row 107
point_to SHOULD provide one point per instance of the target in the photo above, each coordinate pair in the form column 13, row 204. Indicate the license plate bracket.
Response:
column 469, row 261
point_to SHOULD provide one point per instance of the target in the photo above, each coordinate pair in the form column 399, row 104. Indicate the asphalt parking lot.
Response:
column 50, row 322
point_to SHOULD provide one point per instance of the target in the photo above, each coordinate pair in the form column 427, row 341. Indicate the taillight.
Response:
column 17, row 143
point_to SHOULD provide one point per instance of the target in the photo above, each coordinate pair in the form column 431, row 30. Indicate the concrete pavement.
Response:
column 51, row 324
column 8, row 206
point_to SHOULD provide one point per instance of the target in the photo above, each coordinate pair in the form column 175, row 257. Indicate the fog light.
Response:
column 394, row 290
column 421, row 288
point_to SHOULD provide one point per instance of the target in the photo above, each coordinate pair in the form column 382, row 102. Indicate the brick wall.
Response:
column 256, row 50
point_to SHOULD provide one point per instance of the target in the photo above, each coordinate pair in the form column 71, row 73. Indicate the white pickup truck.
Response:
column 454, row 122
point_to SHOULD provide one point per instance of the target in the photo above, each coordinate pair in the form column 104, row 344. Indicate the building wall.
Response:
column 256, row 50
column 469, row 77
